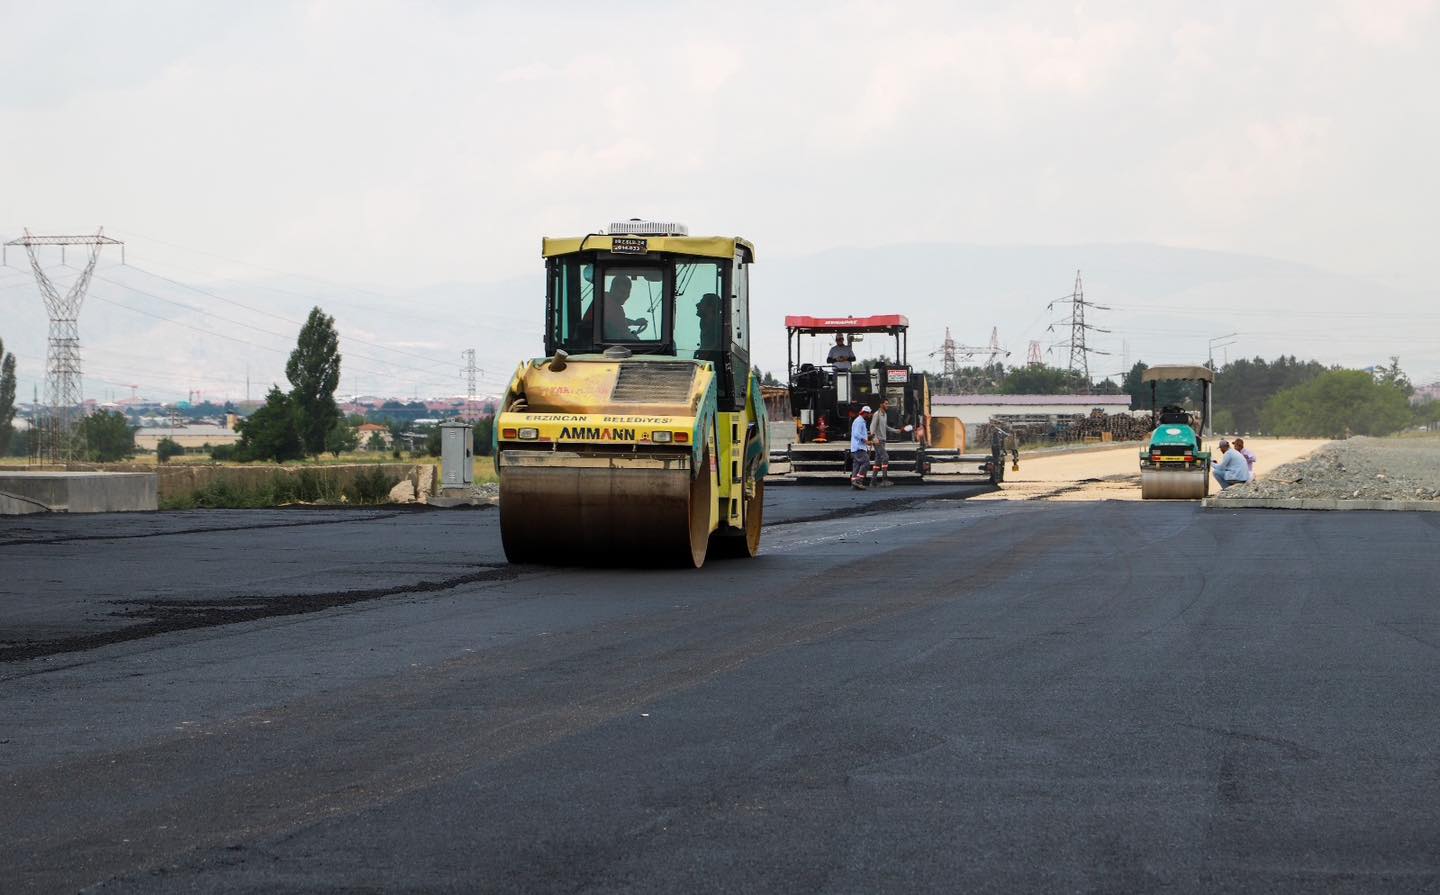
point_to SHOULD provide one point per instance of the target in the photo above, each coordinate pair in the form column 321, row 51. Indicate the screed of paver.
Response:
column 1114, row 473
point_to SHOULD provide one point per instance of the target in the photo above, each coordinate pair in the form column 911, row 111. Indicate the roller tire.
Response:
column 732, row 543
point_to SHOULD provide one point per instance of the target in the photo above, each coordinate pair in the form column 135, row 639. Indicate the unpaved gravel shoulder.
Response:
column 1114, row 474
column 1402, row 468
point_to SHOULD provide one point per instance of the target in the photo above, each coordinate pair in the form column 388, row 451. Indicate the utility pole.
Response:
column 1033, row 357
column 1079, row 351
column 64, row 390
column 469, row 370
column 1218, row 342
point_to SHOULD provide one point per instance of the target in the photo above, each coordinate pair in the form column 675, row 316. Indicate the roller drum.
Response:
column 1174, row 484
column 573, row 509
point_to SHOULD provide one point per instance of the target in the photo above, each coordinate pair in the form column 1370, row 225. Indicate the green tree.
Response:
column 1394, row 377
column 314, row 374
column 271, row 432
column 376, row 443
column 167, row 448
column 1039, row 379
column 7, row 398
column 1243, row 386
column 341, row 438
column 107, row 436
column 20, row 444
column 1427, row 414
column 484, row 430
column 1335, row 402
column 433, row 443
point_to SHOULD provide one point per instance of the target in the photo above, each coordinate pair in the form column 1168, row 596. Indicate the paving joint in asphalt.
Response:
column 169, row 616
column 372, row 515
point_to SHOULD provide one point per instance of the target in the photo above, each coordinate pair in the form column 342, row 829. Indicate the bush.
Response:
column 224, row 452
column 370, row 486
column 167, row 448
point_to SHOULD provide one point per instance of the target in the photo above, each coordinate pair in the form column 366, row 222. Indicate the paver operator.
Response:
column 860, row 448
column 841, row 356
column 1231, row 468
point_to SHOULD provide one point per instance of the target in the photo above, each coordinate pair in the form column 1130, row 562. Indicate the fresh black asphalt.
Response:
column 906, row 691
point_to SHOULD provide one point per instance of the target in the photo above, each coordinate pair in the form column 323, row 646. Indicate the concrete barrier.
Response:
column 35, row 491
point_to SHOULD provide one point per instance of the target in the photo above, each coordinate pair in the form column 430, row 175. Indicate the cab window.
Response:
column 632, row 304
column 699, row 324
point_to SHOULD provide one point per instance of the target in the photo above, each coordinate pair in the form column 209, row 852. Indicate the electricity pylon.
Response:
column 1079, row 351
column 64, row 390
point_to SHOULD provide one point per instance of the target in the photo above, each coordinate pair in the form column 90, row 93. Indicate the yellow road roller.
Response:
column 640, row 437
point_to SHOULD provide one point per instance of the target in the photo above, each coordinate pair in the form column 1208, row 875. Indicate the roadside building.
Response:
column 366, row 431
column 194, row 439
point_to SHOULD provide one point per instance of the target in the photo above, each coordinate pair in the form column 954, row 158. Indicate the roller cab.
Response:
column 640, row 438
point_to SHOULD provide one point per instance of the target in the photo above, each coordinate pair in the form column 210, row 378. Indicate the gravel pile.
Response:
column 1357, row 469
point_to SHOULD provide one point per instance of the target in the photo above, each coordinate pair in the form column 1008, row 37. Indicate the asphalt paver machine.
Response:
column 640, row 438
column 1173, row 463
column 826, row 397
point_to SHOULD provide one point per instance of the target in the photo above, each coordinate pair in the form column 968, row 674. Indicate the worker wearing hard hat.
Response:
column 860, row 448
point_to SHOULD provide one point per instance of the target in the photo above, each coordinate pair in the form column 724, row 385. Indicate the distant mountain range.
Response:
column 1163, row 303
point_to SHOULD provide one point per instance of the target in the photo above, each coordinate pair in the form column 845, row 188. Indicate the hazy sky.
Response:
column 400, row 145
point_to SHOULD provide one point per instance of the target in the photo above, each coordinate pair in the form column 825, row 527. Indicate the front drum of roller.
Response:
column 604, row 511
column 1173, row 484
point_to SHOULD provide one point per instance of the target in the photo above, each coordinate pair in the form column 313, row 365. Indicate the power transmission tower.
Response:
column 947, row 363
column 469, row 370
column 64, row 390
column 1079, row 351
column 996, row 352
column 1033, row 357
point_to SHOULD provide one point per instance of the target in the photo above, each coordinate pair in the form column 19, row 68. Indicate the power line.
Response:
column 202, row 311
column 357, row 339
column 333, row 284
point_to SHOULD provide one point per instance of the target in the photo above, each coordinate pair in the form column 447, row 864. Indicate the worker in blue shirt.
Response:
column 860, row 448
column 1231, row 468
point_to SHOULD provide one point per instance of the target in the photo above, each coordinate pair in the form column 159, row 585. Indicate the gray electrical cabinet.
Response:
column 457, row 455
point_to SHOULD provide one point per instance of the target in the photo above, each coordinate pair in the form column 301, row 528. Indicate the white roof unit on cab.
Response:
column 637, row 227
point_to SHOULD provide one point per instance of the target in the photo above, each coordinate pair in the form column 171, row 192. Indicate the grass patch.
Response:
column 369, row 488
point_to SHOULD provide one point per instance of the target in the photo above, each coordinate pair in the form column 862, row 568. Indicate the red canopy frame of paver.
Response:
column 796, row 326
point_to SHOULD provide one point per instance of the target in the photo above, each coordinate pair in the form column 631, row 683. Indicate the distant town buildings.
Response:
column 368, row 433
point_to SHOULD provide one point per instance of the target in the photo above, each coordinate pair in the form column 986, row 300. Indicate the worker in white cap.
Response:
column 1231, row 468
column 860, row 448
